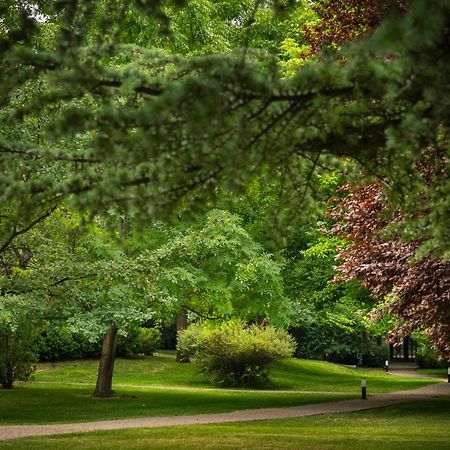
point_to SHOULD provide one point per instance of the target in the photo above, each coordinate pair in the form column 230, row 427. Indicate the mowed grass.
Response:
column 408, row 426
column 159, row 386
column 290, row 374
column 160, row 370
column 322, row 376
column 440, row 373
column 71, row 403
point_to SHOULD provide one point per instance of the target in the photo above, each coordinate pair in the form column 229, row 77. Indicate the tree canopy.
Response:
column 142, row 128
column 159, row 109
column 415, row 290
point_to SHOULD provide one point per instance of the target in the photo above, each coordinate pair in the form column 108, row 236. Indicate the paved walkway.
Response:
column 375, row 401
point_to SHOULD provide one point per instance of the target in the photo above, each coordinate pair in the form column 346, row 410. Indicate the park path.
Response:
column 376, row 401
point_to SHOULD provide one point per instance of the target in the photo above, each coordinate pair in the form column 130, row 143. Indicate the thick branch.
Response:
column 203, row 316
column 17, row 233
column 55, row 283
column 56, row 157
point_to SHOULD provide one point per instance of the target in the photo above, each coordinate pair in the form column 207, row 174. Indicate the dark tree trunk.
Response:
column 103, row 387
column 7, row 377
column 7, row 382
column 182, row 323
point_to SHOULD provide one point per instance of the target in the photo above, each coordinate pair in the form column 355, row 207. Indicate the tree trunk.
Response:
column 182, row 323
column 103, row 387
column 7, row 375
column 8, row 381
column 261, row 320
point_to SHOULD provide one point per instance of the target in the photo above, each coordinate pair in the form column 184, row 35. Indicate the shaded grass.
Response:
column 406, row 426
column 155, row 370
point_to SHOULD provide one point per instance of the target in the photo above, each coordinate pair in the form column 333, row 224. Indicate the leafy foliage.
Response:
column 341, row 21
column 17, row 341
column 99, row 111
column 124, row 111
column 16, row 357
column 216, row 270
column 142, row 341
column 426, row 355
column 57, row 342
column 235, row 354
column 331, row 320
column 413, row 289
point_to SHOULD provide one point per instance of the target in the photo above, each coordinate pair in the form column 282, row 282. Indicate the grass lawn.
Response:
column 407, row 426
column 71, row 403
column 441, row 373
column 321, row 376
column 290, row 374
column 62, row 392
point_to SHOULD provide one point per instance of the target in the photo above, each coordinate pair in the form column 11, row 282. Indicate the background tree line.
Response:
column 166, row 110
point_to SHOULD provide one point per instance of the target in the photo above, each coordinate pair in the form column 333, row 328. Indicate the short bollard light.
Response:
column 448, row 372
column 386, row 366
column 364, row 389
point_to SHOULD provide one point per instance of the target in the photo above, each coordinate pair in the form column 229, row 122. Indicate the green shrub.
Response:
column 139, row 341
column 235, row 354
column 335, row 343
column 376, row 356
column 426, row 356
column 148, row 340
column 19, row 322
column 16, row 357
column 57, row 343
column 188, row 342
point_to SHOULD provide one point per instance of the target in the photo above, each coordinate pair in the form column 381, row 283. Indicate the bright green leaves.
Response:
column 234, row 353
column 217, row 270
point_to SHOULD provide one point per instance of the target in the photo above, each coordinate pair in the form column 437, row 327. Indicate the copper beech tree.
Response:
column 342, row 21
column 415, row 290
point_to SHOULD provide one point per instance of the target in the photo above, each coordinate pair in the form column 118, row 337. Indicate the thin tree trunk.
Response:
column 103, row 387
column 261, row 320
column 182, row 323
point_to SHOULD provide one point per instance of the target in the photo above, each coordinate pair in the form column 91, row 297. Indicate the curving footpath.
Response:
column 376, row 401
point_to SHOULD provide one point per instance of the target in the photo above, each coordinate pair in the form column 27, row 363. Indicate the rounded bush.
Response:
column 426, row 356
column 236, row 354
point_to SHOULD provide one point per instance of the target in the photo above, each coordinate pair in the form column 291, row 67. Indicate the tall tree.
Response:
column 415, row 290
column 103, row 386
